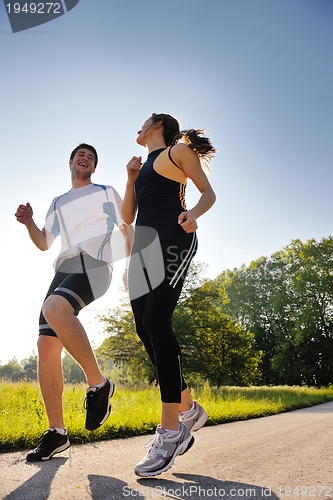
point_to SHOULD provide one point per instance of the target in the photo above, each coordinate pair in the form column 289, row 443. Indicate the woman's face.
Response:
column 146, row 129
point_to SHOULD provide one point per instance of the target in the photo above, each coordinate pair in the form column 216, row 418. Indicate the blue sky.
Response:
column 256, row 74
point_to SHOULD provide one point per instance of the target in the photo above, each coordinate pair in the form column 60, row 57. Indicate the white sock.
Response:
column 191, row 410
column 99, row 385
column 63, row 432
column 171, row 431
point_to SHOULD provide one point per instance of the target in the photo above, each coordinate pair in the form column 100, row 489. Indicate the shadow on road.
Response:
column 109, row 488
column 191, row 486
column 196, row 487
column 38, row 486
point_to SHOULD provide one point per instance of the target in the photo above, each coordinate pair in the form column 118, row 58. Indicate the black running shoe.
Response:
column 98, row 405
column 51, row 443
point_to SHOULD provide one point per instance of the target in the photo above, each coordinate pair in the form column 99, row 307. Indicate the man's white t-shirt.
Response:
column 85, row 219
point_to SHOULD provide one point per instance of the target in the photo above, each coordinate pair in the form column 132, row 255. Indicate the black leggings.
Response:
column 153, row 310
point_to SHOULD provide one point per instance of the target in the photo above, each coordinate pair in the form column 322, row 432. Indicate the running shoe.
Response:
column 164, row 447
column 97, row 405
column 51, row 443
column 195, row 419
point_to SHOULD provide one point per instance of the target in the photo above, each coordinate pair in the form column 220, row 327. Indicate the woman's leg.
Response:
column 153, row 314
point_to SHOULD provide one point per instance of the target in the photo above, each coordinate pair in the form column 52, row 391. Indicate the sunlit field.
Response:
column 137, row 411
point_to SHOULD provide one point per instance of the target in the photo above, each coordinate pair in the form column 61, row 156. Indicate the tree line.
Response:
column 26, row 370
column 267, row 323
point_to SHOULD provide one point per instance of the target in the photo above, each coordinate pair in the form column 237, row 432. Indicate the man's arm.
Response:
column 126, row 229
column 128, row 233
column 24, row 215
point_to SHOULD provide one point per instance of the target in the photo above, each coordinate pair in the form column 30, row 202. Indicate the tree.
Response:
column 29, row 366
column 286, row 301
column 310, row 340
column 257, row 295
column 12, row 370
column 226, row 351
column 124, row 347
column 213, row 344
column 73, row 372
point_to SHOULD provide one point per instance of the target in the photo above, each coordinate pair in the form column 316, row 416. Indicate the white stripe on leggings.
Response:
column 186, row 262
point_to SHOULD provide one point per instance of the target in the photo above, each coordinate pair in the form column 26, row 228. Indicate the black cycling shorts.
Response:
column 80, row 280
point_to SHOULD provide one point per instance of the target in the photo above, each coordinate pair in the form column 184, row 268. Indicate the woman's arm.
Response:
column 189, row 162
column 129, row 205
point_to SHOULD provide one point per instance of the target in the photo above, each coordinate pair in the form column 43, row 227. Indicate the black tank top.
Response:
column 156, row 192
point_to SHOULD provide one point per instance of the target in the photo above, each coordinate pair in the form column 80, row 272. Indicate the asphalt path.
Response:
column 287, row 456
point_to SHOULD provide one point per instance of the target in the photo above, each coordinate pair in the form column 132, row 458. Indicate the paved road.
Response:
column 287, row 456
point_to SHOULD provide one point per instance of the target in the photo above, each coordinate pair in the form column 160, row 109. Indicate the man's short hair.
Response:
column 85, row 146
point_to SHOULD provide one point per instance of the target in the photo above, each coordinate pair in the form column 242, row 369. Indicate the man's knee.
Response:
column 54, row 307
column 48, row 346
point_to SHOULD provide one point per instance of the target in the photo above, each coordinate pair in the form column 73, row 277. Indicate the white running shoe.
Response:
column 164, row 448
column 195, row 419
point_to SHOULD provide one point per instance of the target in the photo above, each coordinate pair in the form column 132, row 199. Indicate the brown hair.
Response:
column 195, row 139
column 85, row 146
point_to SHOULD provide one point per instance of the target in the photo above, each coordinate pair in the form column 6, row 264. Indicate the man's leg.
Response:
column 51, row 378
column 59, row 314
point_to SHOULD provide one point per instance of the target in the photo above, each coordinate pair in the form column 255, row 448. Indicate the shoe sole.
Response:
column 186, row 445
column 57, row 450
column 111, row 393
column 199, row 423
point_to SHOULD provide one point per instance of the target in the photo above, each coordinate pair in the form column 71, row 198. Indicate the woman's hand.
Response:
column 188, row 221
column 129, row 204
column 189, row 162
column 133, row 168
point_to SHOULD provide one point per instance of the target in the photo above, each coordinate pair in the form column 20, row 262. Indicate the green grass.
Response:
column 137, row 411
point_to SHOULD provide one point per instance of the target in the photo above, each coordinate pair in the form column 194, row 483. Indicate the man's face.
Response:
column 83, row 163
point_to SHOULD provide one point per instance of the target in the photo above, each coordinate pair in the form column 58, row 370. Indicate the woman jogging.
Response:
column 165, row 243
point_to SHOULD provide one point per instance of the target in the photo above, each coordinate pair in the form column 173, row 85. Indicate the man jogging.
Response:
column 85, row 218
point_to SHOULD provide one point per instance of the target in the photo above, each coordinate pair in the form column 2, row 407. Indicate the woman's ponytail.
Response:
column 195, row 139
column 200, row 144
